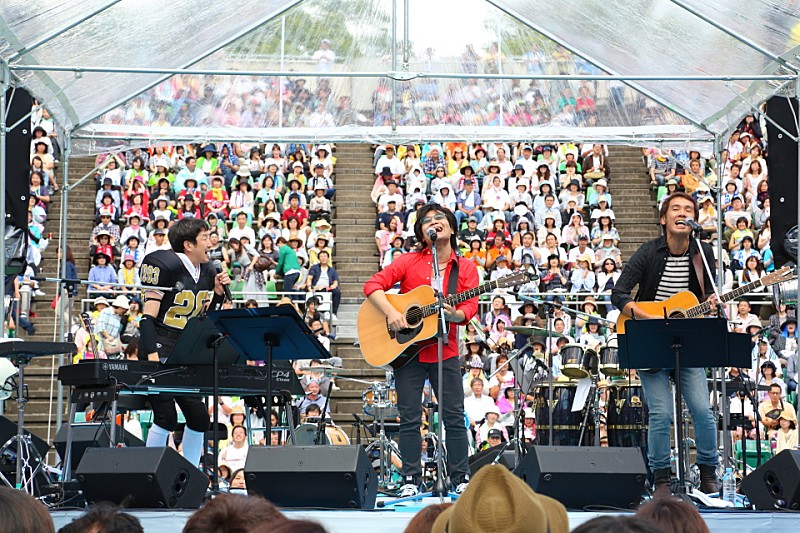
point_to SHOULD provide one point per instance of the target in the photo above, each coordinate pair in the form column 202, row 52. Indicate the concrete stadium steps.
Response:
column 80, row 214
column 633, row 201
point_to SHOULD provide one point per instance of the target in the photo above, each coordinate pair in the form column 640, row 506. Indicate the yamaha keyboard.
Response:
column 149, row 377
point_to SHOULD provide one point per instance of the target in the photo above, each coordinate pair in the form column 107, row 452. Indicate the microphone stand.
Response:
column 440, row 489
column 726, row 445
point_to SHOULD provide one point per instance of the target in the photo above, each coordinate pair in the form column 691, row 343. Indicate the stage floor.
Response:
column 395, row 521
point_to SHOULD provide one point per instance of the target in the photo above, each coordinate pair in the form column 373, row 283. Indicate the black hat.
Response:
column 386, row 171
column 494, row 433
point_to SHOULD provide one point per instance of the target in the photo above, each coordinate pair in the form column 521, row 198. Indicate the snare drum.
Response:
column 609, row 360
column 566, row 422
column 305, row 434
column 578, row 361
column 378, row 396
column 626, row 415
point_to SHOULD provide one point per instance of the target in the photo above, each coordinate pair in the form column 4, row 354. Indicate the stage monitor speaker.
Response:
column 488, row 456
column 142, row 478
column 90, row 435
column 335, row 477
column 776, row 483
column 782, row 164
column 582, row 477
column 8, row 429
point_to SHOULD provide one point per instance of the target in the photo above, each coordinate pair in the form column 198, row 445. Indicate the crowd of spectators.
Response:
column 294, row 101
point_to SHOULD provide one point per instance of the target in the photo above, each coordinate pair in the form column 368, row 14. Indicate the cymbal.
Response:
column 532, row 331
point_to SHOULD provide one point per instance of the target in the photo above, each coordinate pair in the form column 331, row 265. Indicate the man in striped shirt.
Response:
column 663, row 267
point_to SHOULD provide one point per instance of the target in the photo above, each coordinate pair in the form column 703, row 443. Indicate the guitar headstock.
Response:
column 515, row 278
column 784, row 274
column 86, row 320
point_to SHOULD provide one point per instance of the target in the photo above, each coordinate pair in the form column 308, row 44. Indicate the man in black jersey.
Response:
column 196, row 287
column 663, row 267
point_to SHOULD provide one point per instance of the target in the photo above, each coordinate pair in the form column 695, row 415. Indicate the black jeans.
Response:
column 410, row 380
column 165, row 415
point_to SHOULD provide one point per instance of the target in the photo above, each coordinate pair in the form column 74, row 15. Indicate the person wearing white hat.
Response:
column 490, row 422
column 109, row 326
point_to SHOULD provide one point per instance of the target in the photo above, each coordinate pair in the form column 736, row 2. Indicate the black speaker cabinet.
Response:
column 776, row 483
column 782, row 163
column 590, row 476
column 338, row 477
column 18, row 149
column 90, row 435
column 143, row 478
column 8, row 429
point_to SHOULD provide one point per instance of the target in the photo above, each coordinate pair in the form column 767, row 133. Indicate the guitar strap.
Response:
column 452, row 280
column 697, row 262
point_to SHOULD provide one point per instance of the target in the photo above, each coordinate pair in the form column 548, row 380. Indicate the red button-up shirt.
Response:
column 415, row 269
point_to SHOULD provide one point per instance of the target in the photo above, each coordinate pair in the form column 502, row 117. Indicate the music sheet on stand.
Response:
column 581, row 394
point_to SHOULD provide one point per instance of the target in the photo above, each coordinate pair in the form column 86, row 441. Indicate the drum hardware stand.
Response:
column 386, row 447
column 29, row 462
column 516, row 441
column 592, row 404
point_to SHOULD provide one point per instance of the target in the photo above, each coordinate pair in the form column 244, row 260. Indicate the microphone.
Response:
column 692, row 224
column 225, row 288
column 432, row 235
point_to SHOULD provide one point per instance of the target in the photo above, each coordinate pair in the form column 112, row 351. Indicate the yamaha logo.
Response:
column 104, row 366
column 116, row 366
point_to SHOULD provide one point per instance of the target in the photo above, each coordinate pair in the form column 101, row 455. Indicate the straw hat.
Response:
column 496, row 497
column 121, row 301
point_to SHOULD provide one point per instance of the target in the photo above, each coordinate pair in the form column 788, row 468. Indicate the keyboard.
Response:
column 149, row 377
column 17, row 347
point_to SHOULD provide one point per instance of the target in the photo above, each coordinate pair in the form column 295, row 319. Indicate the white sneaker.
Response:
column 334, row 318
column 39, row 292
column 408, row 490
column 461, row 487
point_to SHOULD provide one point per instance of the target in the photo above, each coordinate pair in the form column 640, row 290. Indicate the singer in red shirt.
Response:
column 411, row 271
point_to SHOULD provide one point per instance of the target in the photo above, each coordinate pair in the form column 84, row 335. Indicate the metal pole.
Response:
column 5, row 83
column 394, row 63
column 280, row 78
column 406, row 50
column 401, row 75
column 63, row 269
column 726, row 442
column 500, row 71
column 797, row 135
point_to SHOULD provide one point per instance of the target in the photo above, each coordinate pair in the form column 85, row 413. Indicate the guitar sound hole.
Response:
column 677, row 314
column 413, row 316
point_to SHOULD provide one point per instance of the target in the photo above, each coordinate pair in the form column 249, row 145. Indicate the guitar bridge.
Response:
column 392, row 333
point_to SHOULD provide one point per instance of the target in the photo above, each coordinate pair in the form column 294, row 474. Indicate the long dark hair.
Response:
column 451, row 219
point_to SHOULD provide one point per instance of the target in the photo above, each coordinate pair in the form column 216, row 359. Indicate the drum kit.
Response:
column 612, row 413
column 379, row 401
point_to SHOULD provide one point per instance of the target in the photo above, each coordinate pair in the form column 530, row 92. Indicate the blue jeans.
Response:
column 660, row 404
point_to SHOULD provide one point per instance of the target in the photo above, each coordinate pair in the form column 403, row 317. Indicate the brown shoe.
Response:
column 709, row 483
column 661, row 483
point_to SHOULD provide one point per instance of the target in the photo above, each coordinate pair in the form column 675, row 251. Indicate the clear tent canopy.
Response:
column 118, row 73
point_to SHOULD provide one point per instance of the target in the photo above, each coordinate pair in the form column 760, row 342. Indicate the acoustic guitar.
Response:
column 686, row 305
column 389, row 349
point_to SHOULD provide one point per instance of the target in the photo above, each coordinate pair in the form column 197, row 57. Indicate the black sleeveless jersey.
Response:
column 163, row 268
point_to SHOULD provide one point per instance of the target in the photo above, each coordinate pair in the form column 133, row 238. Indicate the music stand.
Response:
column 676, row 343
column 267, row 334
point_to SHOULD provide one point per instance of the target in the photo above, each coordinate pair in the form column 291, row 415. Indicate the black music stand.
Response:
column 676, row 343
column 267, row 334
column 201, row 343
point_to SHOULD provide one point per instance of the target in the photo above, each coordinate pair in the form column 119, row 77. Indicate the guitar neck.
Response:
column 454, row 299
column 705, row 307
